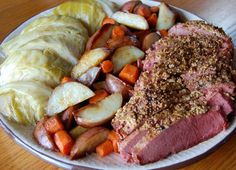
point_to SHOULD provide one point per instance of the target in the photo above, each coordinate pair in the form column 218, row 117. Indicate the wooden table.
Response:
column 13, row 13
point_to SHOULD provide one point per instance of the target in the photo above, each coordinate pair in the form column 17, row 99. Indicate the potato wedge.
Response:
column 125, row 55
column 42, row 136
column 88, row 141
column 97, row 114
column 118, row 42
column 149, row 40
column 100, row 85
column 67, row 117
column 131, row 20
column 166, row 18
column 90, row 76
column 116, row 85
column 67, row 94
column 77, row 131
column 99, row 39
column 89, row 59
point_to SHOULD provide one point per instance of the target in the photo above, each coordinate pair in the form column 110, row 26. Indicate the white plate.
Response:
column 23, row 135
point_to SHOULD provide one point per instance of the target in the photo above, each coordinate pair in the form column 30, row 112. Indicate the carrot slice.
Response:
column 118, row 31
column 106, row 66
column 129, row 74
column 99, row 95
column 115, row 139
column 164, row 33
column 152, row 20
column 53, row 124
column 108, row 21
column 66, row 79
column 105, row 148
column 63, row 141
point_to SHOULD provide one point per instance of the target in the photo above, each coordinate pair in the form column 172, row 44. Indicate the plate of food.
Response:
column 118, row 85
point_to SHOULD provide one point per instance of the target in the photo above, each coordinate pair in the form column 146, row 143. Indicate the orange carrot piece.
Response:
column 152, row 20
column 66, row 79
column 106, row 66
column 164, row 33
column 118, row 31
column 53, row 124
column 129, row 74
column 105, row 148
column 99, row 95
column 154, row 9
column 108, row 21
column 63, row 141
column 112, row 136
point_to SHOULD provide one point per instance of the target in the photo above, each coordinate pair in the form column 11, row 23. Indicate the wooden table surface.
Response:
column 13, row 13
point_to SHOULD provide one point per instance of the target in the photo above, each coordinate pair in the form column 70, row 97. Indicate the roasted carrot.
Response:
column 105, row 148
column 53, row 124
column 99, row 95
column 129, row 74
column 154, row 9
column 114, row 138
column 66, row 79
column 152, row 20
column 118, row 31
column 163, row 33
column 108, row 21
column 63, row 141
column 106, row 66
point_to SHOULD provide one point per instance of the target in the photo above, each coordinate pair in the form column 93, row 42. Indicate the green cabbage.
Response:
column 25, row 101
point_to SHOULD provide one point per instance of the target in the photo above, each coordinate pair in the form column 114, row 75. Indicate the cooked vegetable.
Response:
column 53, row 124
column 100, row 85
column 118, row 31
column 149, row 40
column 118, row 42
column 90, row 76
column 77, row 131
column 63, row 141
column 99, row 39
column 34, row 65
column 104, row 148
column 152, row 20
column 106, row 66
column 129, row 6
column 97, row 114
column 66, row 79
column 163, row 33
column 89, row 59
column 143, row 10
column 131, row 20
column 166, row 17
column 24, row 102
column 115, row 85
column 88, row 141
column 68, row 117
column 108, row 21
column 114, row 138
column 154, row 9
column 99, row 95
column 125, row 55
column 42, row 136
column 67, row 94
column 129, row 74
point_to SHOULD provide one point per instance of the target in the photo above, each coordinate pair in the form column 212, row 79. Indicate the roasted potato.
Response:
column 66, row 95
column 131, row 20
column 125, row 55
column 77, row 131
column 67, row 117
column 149, row 40
column 100, row 38
column 166, row 18
column 90, row 76
column 115, row 85
column 89, row 59
column 100, row 85
column 42, row 136
column 88, row 141
column 98, row 114
column 118, row 42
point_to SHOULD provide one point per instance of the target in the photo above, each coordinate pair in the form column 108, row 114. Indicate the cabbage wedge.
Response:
column 24, row 102
column 34, row 65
